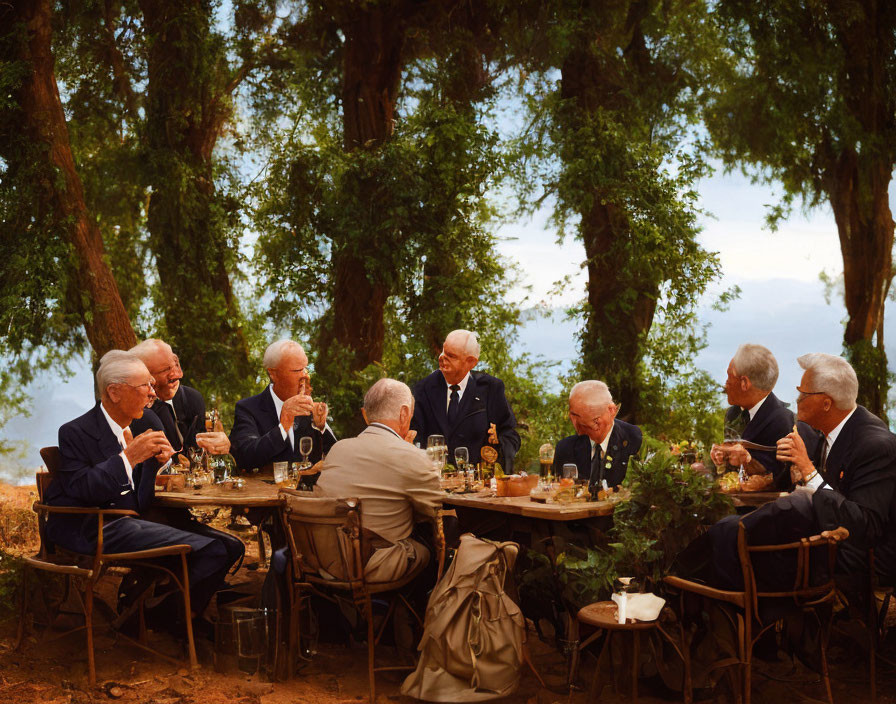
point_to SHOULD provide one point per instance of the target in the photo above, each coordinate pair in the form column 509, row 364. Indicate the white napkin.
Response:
column 641, row 607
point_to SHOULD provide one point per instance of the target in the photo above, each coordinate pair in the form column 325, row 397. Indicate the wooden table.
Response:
column 256, row 493
column 524, row 506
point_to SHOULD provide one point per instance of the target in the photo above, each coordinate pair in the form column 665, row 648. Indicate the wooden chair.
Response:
column 329, row 548
column 749, row 624
column 84, row 571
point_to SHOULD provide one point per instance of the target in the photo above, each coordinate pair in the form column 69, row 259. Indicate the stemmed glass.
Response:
column 461, row 457
column 305, row 446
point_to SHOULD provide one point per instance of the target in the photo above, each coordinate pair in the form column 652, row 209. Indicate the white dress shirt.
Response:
column 460, row 392
column 817, row 481
column 119, row 435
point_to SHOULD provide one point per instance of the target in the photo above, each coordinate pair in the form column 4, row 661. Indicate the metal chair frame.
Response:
column 748, row 623
column 303, row 531
column 88, row 569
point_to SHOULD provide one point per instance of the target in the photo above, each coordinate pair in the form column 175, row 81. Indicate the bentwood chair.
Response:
column 81, row 572
column 329, row 549
column 805, row 595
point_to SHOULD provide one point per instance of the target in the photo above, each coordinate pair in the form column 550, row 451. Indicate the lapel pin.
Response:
column 625, row 443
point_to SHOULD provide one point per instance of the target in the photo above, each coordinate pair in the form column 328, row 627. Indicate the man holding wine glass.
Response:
column 468, row 408
column 269, row 426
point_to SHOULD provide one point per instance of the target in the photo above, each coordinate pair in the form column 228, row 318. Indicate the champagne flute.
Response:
column 305, row 446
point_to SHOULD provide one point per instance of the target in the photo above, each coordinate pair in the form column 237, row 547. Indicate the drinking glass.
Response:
column 281, row 472
column 305, row 446
column 570, row 471
column 461, row 457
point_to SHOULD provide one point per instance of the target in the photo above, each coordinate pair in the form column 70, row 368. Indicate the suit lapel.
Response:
column 471, row 402
column 583, row 455
column 839, row 453
column 98, row 428
column 437, row 399
column 762, row 417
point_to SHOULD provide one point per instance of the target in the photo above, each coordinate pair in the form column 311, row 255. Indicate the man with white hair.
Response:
column 755, row 415
column 849, row 480
column 395, row 481
column 468, row 408
column 267, row 427
column 180, row 408
column 104, row 466
column 603, row 444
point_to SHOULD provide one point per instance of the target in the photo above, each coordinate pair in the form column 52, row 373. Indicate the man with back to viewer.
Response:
column 468, row 408
column 394, row 480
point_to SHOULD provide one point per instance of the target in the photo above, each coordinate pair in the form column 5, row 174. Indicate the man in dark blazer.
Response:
column 603, row 444
column 180, row 408
column 756, row 414
column 468, row 408
column 849, row 480
column 103, row 465
column 267, row 427
column 181, row 411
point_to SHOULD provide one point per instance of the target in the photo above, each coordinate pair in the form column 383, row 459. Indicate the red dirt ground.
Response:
column 55, row 671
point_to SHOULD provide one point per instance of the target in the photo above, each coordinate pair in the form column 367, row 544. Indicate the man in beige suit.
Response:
column 394, row 480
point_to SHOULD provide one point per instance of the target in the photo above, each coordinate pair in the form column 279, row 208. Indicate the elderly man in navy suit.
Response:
column 603, row 444
column 181, row 410
column 468, row 408
column 267, row 427
column 103, row 465
column 757, row 415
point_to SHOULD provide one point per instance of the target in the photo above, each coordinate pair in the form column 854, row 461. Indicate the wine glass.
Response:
column 305, row 446
column 570, row 471
column 461, row 457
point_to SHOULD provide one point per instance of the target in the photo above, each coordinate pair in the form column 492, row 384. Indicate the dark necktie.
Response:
column 822, row 469
column 596, row 467
column 745, row 417
column 453, row 403
column 169, row 420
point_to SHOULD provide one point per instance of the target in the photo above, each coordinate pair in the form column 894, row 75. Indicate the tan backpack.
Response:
column 471, row 650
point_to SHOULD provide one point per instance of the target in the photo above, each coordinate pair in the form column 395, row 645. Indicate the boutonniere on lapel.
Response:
column 609, row 462
column 625, row 443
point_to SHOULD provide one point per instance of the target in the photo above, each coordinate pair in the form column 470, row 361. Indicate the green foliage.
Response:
column 10, row 583
column 670, row 505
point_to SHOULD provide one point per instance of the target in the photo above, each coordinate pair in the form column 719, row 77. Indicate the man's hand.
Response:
column 492, row 434
column 151, row 443
column 412, row 434
column 216, row 443
column 791, row 448
column 298, row 405
column 319, row 415
column 733, row 454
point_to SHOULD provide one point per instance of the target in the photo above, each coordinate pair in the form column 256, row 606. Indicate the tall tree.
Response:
column 188, row 103
column 619, row 158
column 43, row 194
column 810, row 101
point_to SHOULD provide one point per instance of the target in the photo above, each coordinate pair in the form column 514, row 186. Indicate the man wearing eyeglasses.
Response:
column 180, row 408
column 103, row 465
column 755, row 415
column 603, row 444
column 848, row 479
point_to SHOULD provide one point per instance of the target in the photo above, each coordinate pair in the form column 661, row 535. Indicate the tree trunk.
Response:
column 97, row 296
column 859, row 198
column 188, row 104
column 372, row 64
column 620, row 307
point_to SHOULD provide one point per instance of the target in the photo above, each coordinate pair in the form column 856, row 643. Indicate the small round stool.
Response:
column 604, row 615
